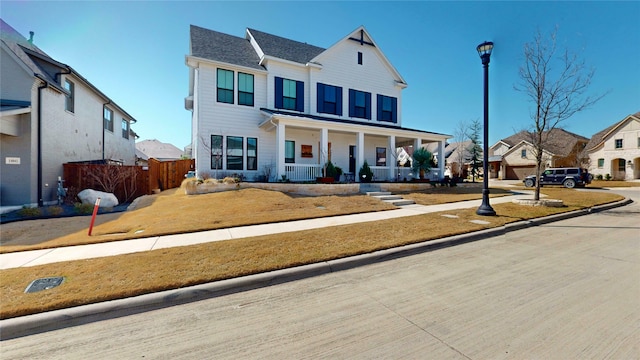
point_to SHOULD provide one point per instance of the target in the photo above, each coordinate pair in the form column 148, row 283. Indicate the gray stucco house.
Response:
column 51, row 115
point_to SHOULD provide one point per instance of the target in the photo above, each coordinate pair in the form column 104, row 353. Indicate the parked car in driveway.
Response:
column 567, row 177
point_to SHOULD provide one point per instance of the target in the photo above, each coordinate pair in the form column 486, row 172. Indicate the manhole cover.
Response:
column 44, row 284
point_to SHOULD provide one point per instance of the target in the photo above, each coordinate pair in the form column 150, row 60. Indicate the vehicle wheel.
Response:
column 528, row 183
column 569, row 183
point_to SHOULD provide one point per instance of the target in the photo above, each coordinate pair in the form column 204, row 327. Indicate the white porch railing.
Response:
column 302, row 172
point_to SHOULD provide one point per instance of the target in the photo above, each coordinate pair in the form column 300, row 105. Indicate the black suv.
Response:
column 568, row 177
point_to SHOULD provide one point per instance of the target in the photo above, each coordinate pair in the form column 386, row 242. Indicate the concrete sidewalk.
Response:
column 79, row 252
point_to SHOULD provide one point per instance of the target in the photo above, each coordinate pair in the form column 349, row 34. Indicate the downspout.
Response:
column 103, row 129
column 67, row 71
column 44, row 85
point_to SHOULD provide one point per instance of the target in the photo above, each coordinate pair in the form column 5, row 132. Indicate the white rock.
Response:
column 89, row 196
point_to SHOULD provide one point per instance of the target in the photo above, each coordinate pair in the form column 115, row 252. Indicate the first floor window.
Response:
column 620, row 164
column 600, row 163
column 108, row 119
column 234, row 153
column 125, row 129
column 618, row 143
column 216, row 152
column 252, row 154
column 225, row 86
column 381, row 156
column 69, row 98
column 289, row 151
column 387, row 108
column 245, row 89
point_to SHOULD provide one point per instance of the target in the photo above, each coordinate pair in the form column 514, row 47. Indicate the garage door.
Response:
column 519, row 172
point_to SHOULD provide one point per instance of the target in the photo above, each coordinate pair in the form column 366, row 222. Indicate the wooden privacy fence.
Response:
column 126, row 182
column 165, row 175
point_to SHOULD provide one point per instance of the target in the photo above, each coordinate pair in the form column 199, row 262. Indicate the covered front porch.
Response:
column 303, row 144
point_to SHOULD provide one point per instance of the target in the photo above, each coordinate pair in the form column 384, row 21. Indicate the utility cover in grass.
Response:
column 44, row 284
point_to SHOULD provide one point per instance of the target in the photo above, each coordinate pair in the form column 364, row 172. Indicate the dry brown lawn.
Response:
column 101, row 279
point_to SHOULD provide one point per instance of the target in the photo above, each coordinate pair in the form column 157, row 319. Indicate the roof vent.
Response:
column 31, row 33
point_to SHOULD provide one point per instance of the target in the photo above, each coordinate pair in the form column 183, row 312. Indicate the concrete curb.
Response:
column 58, row 319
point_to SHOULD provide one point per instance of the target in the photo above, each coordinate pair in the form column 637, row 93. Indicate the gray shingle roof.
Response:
column 286, row 49
column 217, row 46
column 559, row 141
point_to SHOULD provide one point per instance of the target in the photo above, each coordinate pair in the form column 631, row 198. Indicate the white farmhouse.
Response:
column 51, row 115
column 615, row 151
column 267, row 107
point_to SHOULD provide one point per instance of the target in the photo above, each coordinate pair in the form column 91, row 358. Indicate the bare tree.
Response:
column 556, row 82
column 113, row 177
column 460, row 135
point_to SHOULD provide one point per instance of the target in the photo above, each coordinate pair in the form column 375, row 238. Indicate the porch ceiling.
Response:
column 304, row 121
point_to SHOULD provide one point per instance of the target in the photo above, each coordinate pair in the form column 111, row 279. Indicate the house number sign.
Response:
column 12, row 160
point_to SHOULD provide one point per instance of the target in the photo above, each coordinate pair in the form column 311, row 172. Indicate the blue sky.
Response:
column 135, row 52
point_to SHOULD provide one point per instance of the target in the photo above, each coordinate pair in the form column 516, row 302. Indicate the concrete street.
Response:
column 564, row 290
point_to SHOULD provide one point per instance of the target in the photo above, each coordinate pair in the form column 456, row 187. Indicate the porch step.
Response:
column 387, row 197
column 401, row 202
column 378, row 193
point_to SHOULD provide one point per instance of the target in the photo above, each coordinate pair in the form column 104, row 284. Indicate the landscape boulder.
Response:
column 89, row 196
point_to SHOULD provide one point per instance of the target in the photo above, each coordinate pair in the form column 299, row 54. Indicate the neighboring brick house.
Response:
column 514, row 156
column 51, row 115
column 616, row 150
column 268, row 107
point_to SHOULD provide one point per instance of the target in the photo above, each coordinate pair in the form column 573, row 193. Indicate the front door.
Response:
column 352, row 159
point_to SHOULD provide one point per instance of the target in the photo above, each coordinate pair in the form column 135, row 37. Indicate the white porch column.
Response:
column 391, row 159
column 280, row 137
column 360, row 154
column 441, row 161
column 324, row 146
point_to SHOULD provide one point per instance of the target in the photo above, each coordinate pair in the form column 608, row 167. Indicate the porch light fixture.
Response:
column 484, row 50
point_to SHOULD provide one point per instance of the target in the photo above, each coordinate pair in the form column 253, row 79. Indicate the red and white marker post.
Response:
column 93, row 217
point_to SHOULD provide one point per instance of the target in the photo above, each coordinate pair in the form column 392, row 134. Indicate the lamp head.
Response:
column 484, row 50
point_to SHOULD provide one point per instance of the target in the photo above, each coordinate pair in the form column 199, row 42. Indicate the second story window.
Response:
column 523, row 153
column 618, row 143
column 125, row 129
column 289, row 94
column 329, row 99
column 245, row 89
column 359, row 104
column 387, row 108
column 225, row 86
column 108, row 119
column 69, row 98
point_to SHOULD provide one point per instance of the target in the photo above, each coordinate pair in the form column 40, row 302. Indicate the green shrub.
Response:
column 607, row 177
column 599, row 177
column 29, row 211
column 365, row 174
column 81, row 208
column 330, row 170
column 55, row 210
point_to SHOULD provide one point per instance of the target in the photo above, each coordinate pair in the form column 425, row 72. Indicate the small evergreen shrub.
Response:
column 29, row 211
column 81, row 208
column 55, row 210
column 599, row 177
column 607, row 177
column 365, row 174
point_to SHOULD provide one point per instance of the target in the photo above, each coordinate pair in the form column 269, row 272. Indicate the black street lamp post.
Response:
column 484, row 50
